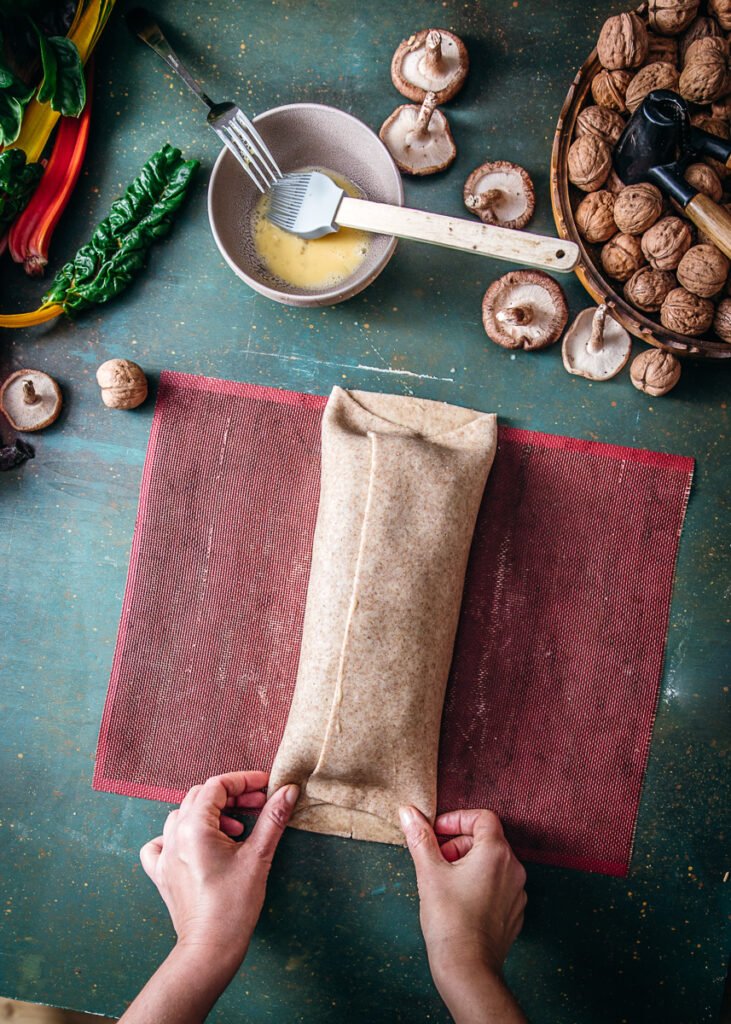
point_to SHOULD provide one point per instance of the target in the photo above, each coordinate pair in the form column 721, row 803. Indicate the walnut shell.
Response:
column 589, row 162
column 721, row 9
column 653, row 76
column 648, row 288
column 703, row 270
column 661, row 48
column 686, row 313
column 614, row 183
column 123, row 384
column 622, row 256
column 699, row 29
column 666, row 242
column 671, row 17
column 705, row 179
column 721, row 108
column 655, row 372
column 594, row 216
column 606, row 124
column 722, row 320
column 637, row 208
column 705, row 75
column 717, row 126
column 622, row 42
column 609, row 88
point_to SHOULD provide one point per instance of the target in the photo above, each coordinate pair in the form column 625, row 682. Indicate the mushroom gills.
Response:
column 413, row 66
column 510, row 203
column 596, row 346
column 419, row 146
column 537, row 318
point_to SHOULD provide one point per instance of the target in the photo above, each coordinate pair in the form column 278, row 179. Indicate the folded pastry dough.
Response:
column 402, row 480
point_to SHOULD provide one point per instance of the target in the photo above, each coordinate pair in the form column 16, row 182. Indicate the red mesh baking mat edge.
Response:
column 677, row 463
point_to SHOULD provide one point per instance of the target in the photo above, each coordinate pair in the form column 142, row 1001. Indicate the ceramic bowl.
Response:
column 303, row 135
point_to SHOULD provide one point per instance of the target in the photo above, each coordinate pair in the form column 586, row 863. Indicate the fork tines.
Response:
column 250, row 150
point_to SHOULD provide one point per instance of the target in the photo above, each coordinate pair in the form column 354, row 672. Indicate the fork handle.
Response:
column 455, row 233
column 142, row 23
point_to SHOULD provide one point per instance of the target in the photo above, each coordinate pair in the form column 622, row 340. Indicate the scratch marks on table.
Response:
column 349, row 366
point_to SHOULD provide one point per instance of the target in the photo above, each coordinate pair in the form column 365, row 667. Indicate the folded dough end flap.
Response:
column 362, row 412
column 348, row 822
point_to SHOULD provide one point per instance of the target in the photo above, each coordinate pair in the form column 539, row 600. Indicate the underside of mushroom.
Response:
column 524, row 309
column 433, row 60
column 595, row 345
column 419, row 138
column 500, row 192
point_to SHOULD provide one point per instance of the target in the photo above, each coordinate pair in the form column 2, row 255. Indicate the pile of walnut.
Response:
column 663, row 264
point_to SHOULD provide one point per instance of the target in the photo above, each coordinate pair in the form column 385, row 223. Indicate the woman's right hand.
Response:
column 472, row 899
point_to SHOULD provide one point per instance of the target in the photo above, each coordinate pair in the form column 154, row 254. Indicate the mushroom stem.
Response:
column 515, row 315
column 483, row 200
column 432, row 63
column 421, row 129
column 30, row 395
column 596, row 341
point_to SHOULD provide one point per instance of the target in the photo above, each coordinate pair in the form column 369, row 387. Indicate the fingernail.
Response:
column 291, row 795
column 406, row 815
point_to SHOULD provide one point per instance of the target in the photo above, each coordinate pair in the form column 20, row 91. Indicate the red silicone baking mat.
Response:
column 558, row 660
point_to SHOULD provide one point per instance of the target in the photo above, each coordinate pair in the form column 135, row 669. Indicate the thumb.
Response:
column 272, row 822
column 422, row 842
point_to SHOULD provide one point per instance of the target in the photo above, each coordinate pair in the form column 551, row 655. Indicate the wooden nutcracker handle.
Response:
column 713, row 220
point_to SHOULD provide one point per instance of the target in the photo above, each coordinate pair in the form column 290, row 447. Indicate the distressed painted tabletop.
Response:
column 339, row 939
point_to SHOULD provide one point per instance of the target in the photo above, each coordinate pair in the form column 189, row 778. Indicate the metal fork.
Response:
column 227, row 120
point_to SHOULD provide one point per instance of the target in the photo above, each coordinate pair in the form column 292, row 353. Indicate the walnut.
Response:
column 686, row 313
column 594, row 216
column 637, row 208
column 722, row 320
column 661, row 48
column 717, row 126
column 622, row 256
column 622, row 42
column 590, row 161
column 606, row 124
column 614, row 183
column 666, row 242
column 671, row 17
column 647, row 288
column 721, row 108
column 123, row 384
column 609, row 87
column 655, row 372
column 699, row 29
column 654, row 76
column 702, row 177
column 703, row 270
column 721, row 9
column 705, row 75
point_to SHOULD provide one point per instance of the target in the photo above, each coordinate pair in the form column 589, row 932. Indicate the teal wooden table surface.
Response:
column 339, row 939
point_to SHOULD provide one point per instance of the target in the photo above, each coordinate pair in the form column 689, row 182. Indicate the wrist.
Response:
column 456, row 959
column 210, row 959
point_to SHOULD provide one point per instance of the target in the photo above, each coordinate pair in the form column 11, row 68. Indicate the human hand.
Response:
column 471, row 894
column 212, row 886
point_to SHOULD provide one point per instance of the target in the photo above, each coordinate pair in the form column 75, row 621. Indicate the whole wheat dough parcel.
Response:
column 402, row 479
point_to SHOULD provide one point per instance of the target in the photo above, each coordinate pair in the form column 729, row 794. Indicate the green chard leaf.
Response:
column 14, row 98
column 18, row 181
column 118, row 249
column 69, row 93
column 50, row 66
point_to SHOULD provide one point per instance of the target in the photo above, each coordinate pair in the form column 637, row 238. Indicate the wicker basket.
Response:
column 565, row 198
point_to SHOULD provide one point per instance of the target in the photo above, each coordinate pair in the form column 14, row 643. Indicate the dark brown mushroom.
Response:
column 419, row 138
column 31, row 400
column 432, row 60
column 500, row 192
column 524, row 309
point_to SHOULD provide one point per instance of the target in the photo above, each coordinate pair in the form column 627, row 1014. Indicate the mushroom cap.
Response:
column 525, row 288
column 517, row 202
column 411, row 79
column 578, row 358
column 413, row 153
column 36, row 416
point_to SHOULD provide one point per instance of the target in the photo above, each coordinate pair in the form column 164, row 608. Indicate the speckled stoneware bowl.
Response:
column 303, row 135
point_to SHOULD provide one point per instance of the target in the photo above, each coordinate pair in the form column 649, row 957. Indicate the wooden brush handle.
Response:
column 713, row 220
column 455, row 233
